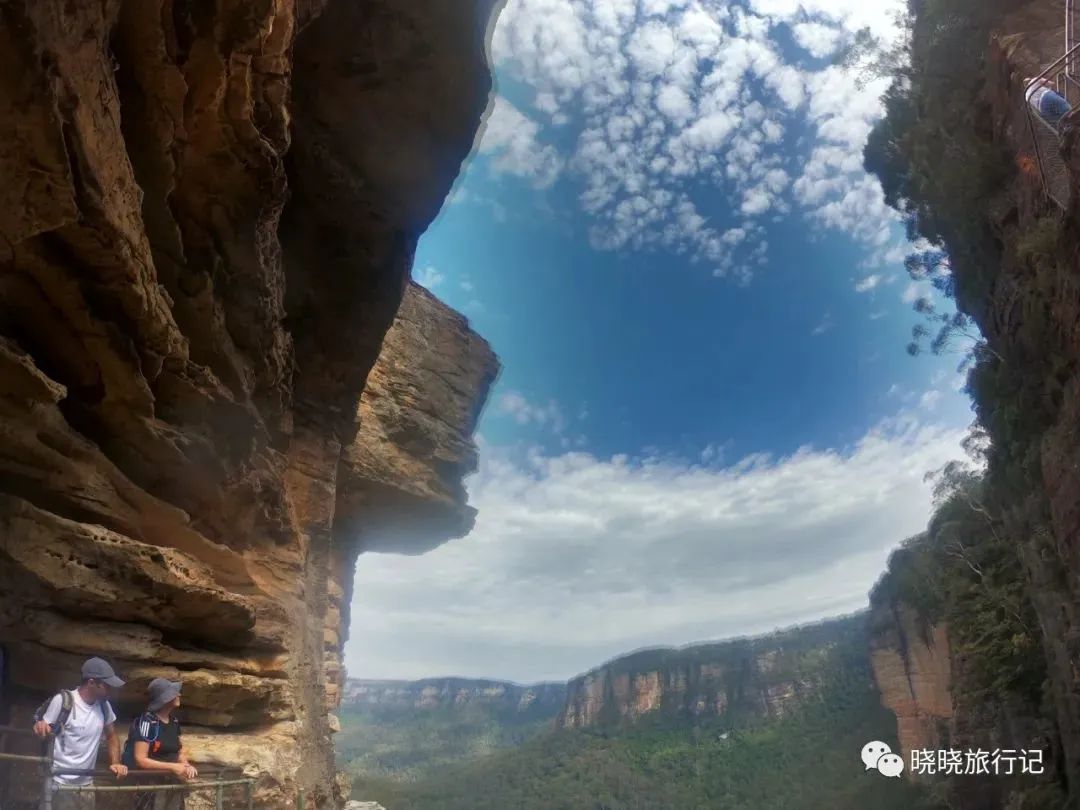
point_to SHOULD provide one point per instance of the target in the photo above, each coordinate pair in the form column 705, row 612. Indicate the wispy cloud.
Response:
column 868, row 283
column 521, row 410
column 824, row 326
column 428, row 277
column 576, row 557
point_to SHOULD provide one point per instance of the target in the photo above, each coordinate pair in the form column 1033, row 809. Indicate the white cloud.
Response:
column 824, row 326
column 868, row 283
column 673, row 102
column 428, row 277
column 877, row 15
column 819, row 40
column 512, row 139
column 575, row 558
column 916, row 290
column 670, row 95
column 524, row 412
column 929, row 400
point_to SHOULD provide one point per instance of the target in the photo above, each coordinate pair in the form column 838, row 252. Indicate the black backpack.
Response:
column 66, row 702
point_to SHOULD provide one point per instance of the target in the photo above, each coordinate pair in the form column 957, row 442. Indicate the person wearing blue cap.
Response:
column 78, row 719
column 155, row 744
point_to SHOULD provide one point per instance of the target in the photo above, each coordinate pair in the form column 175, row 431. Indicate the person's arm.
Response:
column 118, row 768
column 182, row 757
column 143, row 761
column 43, row 727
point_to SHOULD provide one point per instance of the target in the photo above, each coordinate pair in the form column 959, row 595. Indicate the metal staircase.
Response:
column 1064, row 75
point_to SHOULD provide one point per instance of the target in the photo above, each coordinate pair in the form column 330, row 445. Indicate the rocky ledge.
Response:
column 217, row 386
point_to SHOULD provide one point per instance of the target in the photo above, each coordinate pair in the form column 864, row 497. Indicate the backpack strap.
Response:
column 66, row 702
column 149, row 727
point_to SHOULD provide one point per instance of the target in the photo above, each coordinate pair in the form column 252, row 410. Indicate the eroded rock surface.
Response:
column 912, row 666
column 207, row 410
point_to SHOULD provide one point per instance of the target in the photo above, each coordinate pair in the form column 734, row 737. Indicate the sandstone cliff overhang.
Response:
column 209, row 214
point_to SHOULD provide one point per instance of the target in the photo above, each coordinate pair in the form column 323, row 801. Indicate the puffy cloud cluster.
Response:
column 670, row 101
column 575, row 557
column 511, row 139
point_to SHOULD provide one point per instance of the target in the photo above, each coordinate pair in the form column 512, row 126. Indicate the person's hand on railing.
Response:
column 42, row 729
column 185, row 771
column 119, row 770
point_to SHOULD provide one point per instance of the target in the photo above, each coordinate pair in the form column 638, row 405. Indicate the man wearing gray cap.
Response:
column 78, row 719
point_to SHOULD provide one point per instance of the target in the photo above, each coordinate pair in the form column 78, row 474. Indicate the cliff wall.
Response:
column 991, row 663
column 207, row 407
column 912, row 667
column 441, row 693
column 764, row 677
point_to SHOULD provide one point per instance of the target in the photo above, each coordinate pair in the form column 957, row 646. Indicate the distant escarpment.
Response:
column 740, row 680
column 441, row 693
column 977, row 621
column 912, row 668
column 217, row 385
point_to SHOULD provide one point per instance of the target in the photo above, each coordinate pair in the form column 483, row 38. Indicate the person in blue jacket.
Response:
column 1046, row 101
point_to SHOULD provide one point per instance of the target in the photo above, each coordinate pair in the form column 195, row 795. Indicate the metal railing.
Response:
column 1046, row 136
column 40, row 787
column 1072, row 38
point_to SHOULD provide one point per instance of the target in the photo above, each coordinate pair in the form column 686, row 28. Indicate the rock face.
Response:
column 764, row 677
column 207, row 407
column 1024, row 294
column 436, row 693
column 912, row 667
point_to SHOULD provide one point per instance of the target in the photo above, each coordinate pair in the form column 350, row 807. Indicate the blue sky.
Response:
column 706, row 423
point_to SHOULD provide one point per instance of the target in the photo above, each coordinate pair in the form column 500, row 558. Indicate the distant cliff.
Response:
column 432, row 693
column 912, row 668
column 764, row 677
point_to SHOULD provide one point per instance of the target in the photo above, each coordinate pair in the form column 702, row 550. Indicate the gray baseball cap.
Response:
column 162, row 691
column 99, row 670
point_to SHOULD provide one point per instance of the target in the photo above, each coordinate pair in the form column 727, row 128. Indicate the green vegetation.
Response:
column 964, row 569
column 986, row 564
column 806, row 759
column 404, row 745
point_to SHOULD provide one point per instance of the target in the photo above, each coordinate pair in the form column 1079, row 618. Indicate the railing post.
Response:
column 249, row 795
column 218, row 798
column 300, row 800
column 46, row 780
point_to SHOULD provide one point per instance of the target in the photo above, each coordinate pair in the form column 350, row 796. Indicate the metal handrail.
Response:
column 190, row 786
column 1068, row 56
column 1063, row 81
column 1071, row 39
column 225, row 777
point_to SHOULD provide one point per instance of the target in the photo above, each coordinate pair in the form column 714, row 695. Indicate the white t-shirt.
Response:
column 77, row 745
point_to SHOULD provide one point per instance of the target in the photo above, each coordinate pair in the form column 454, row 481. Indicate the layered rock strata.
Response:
column 207, row 407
